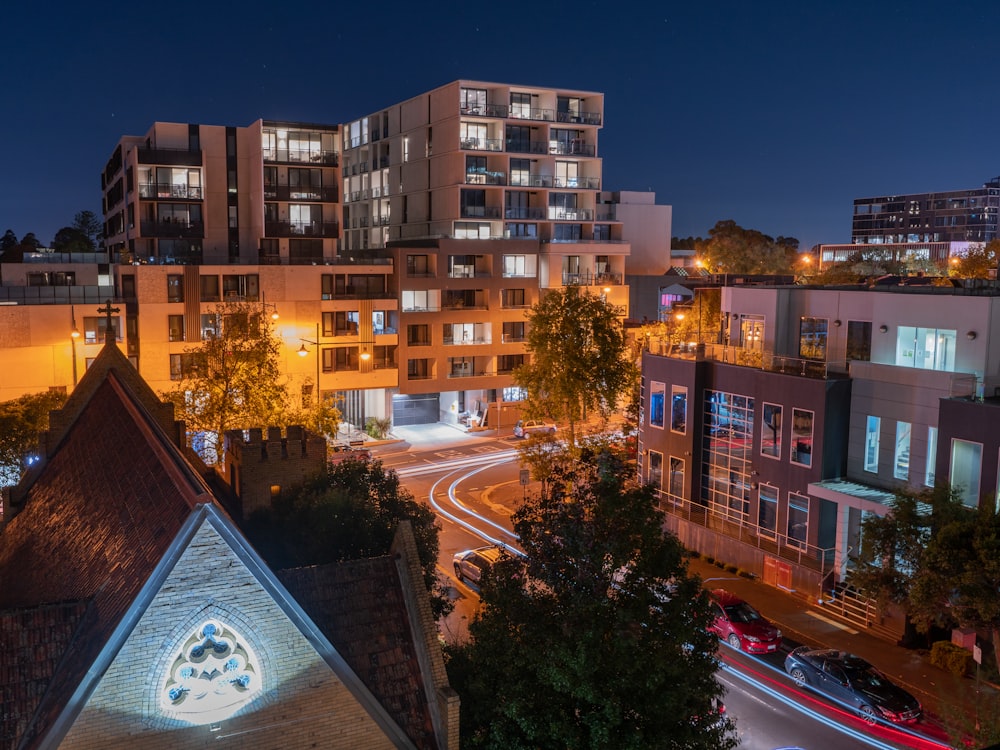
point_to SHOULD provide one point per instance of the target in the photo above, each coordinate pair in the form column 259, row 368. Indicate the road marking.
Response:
column 829, row 621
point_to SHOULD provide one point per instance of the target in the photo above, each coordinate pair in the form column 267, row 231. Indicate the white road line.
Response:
column 829, row 621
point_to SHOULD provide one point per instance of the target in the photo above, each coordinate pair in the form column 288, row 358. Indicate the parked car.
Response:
column 533, row 427
column 338, row 453
column 470, row 564
column 852, row 682
column 742, row 626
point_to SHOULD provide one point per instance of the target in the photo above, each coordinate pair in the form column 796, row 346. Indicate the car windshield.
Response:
column 866, row 678
column 742, row 612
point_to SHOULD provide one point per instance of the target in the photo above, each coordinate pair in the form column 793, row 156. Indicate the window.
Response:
column 513, row 297
column 345, row 358
column 657, row 394
column 209, row 326
column 472, row 101
column 859, row 340
column 926, row 348
column 326, row 286
column 513, row 331
column 518, row 265
column 767, row 510
column 94, row 329
column 802, row 437
column 966, row 467
column 186, row 365
column 654, row 474
column 675, row 482
column 930, row 467
column 872, row 428
column 416, row 301
column 798, row 520
column 210, row 289
column 812, row 338
column 678, row 408
column 901, row 458
column 509, row 362
column 417, row 265
column 418, row 369
column 727, row 454
column 770, row 431
column 175, row 327
column 418, row 334
column 175, row 288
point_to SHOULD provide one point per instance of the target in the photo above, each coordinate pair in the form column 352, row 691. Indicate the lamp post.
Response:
column 303, row 352
column 74, row 334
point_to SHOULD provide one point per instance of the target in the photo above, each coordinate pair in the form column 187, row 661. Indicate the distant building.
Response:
column 134, row 613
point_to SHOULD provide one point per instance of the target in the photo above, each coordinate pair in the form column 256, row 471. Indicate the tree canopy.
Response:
column 21, row 421
column 233, row 380
column 596, row 637
column 732, row 249
column 351, row 510
column 578, row 357
column 978, row 261
column 80, row 237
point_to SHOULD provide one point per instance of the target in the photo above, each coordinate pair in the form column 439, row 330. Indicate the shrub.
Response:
column 719, row 564
column 709, row 559
column 948, row 656
column 694, row 554
column 744, row 573
column 731, row 568
column 378, row 427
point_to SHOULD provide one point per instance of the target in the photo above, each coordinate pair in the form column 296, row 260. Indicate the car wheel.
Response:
column 799, row 677
column 458, row 574
column 868, row 715
column 734, row 641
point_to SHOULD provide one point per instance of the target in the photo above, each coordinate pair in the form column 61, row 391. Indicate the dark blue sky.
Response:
column 773, row 114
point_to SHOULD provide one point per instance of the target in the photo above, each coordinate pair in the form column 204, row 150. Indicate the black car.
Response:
column 852, row 682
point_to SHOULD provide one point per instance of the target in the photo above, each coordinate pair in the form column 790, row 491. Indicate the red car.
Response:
column 742, row 626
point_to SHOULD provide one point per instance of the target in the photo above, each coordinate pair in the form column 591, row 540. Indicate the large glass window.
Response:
column 655, row 473
column 675, row 487
column 966, row 468
column 798, row 520
column 926, row 348
column 901, row 459
column 770, row 431
column 873, row 426
column 657, row 395
column 678, row 408
column 802, row 437
column 727, row 453
column 930, row 468
column 767, row 510
column 812, row 338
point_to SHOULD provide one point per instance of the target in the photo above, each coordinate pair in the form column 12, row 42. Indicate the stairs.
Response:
column 850, row 606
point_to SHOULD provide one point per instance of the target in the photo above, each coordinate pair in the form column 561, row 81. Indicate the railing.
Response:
column 54, row 257
column 177, row 157
column 507, row 338
column 524, row 213
column 301, row 229
column 755, row 358
column 450, row 341
column 584, row 118
column 519, row 179
column 57, row 295
column 172, row 228
column 574, row 214
column 300, row 193
column 308, row 156
column 573, row 148
column 469, row 374
column 480, row 212
column 527, row 147
column 486, row 178
column 168, row 190
column 592, row 279
column 482, row 144
column 580, row 183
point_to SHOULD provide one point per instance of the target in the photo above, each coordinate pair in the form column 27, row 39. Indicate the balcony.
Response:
column 528, row 147
column 582, row 118
column 571, row 214
column 522, row 179
column 482, row 144
column 173, row 157
column 592, row 279
column 578, row 183
column 300, row 193
column 168, row 228
column 573, row 148
column 535, row 214
column 486, row 178
column 299, row 156
column 166, row 190
column 301, row 229
column 480, row 212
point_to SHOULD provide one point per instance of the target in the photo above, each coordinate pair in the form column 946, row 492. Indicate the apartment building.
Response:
column 771, row 446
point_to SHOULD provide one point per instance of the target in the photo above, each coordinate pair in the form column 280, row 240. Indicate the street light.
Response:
column 74, row 334
column 303, row 352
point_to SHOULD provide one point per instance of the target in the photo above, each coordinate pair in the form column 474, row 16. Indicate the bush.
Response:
column 378, row 427
column 948, row 656
column 694, row 554
column 719, row 564
column 709, row 559
column 744, row 573
column 731, row 568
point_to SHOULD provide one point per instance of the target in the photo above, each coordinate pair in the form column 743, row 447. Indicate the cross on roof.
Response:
column 110, row 335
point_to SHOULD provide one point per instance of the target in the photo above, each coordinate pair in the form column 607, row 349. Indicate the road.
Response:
column 462, row 485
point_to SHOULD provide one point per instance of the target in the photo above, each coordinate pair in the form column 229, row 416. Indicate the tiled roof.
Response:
column 359, row 606
column 95, row 522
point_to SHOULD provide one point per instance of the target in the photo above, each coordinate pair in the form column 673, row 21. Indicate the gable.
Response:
column 286, row 686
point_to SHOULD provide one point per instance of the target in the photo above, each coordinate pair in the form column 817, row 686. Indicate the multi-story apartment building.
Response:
column 769, row 448
column 486, row 195
column 949, row 216
column 401, row 251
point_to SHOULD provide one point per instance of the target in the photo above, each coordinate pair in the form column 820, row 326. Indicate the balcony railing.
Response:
column 537, row 214
column 592, row 279
column 583, row 118
column 172, row 228
column 482, row 144
column 485, row 178
column 57, row 295
column 296, row 156
column 571, row 214
column 578, row 183
column 572, row 148
column 527, row 147
column 520, row 179
column 480, row 212
column 301, row 229
column 170, row 157
column 450, row 341
column 167, row 190
column 299, row 193
column 513, row 338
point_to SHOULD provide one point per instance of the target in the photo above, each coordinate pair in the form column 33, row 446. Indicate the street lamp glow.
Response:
column 303, row 352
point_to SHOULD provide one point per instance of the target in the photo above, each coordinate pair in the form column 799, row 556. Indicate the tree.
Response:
column 732, row 249
column 81, row 236
column 579, row 357
column 596, row 637
column 233, row 380
column 21, row 422
column 351, row 510
column 978, row 261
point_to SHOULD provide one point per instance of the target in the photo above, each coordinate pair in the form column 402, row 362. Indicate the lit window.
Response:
column 767, row 510
column 770, row 431
column 657, row 394
column 798, row 520
column 929, row 470
column 213, row 674
column 872, row 428
column 654, row 475
column 678, row 409
column 966, row 467
column 901, row 459
column 802, row 437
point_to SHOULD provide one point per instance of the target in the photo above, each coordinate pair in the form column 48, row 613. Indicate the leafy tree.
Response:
column 8, row 241
column 732, row 249
column 579, row 357
column 81, row 237
column 596, row 637
column 21, row 422
column 233, row 380
column 977, row 262
column 351, row 510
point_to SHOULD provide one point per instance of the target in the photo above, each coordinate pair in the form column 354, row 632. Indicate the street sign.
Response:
column 525, row 477
column 977, row 654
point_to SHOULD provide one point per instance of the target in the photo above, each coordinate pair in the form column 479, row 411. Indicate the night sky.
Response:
column 773, row 114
